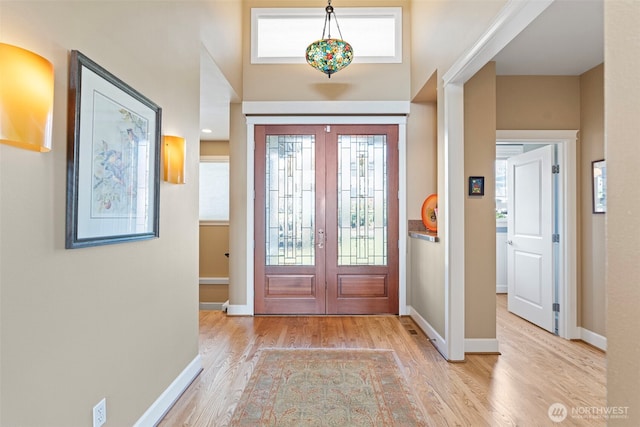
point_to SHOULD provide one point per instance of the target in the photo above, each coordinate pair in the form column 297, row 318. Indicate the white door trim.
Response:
column 566, row 141
column 514, row 17
column 400, row 120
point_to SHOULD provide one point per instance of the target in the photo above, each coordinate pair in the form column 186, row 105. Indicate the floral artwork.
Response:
column 113, row 163
column 116, row 147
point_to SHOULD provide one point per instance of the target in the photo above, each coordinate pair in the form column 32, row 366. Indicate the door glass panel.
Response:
column 362, row 200
column 290, row 200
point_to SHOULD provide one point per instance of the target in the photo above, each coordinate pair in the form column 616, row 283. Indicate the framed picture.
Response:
column 599, row 180
column 476, row 185
column 113, row 159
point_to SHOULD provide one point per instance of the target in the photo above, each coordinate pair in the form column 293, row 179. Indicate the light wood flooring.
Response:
column 515, row 388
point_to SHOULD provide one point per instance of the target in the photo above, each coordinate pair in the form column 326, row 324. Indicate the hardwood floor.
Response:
column 516, row 388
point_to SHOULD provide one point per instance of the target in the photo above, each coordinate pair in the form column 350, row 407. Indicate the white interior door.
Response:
column 530, row 236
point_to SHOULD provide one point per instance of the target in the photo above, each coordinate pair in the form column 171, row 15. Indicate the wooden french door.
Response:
column 326, row 217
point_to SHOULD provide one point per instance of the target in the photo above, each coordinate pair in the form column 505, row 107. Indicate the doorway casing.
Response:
column 514, row 17
column 324, row 113
column 566, row 143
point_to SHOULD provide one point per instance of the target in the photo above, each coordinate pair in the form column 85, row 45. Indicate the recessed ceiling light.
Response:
column 207, row 130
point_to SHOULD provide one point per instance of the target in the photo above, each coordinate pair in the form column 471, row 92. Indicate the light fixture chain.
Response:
column 327, row 16
column 337, row 25
column 329, row 55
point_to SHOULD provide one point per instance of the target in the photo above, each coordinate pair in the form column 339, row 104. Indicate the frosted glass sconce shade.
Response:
column 174, row 154
column 26, row 99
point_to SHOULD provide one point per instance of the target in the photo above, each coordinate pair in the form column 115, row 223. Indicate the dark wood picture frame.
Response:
column 599, row 186
column 113, row 159
column 476, row 185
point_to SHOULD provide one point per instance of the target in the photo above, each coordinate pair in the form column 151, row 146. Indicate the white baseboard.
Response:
column 481, row 345
column 216, row 306
column 594, row 339
column 502, row 289
column 438, row 342
column 239, row 310
column 214, row 281
column 161, row 406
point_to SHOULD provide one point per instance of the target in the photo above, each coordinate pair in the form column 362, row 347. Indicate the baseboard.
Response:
column 594, row 339
column 239, row 310
column 214, row 281
column 208, row 306
column 168, row 398
column 438, row 342
column 481, row 345
column 502, row 289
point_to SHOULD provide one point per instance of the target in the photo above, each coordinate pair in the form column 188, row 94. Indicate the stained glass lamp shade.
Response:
column 329, row 55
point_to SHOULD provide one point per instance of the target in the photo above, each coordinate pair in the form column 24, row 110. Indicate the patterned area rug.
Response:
column 318, row 387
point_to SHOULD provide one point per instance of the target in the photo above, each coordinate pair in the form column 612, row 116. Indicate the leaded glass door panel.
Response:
column 289, row 170
column 326, row 220
column 362, row 265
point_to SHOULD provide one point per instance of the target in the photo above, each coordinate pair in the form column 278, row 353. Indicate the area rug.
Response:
column 320, row 387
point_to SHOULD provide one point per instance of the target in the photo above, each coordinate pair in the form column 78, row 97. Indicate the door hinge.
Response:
column 555, row 238
column 555, row 169
column 556, row 307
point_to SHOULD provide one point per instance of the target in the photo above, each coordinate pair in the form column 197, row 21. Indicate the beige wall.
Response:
column 220, row 20
column 441, row 30
column 622, row 127
column 538, row 102
column 480, row 216
column 214, row 242
column 592, row 236
column 238, row 206
column 116, row 321
column 425, row 292
column 422, row 156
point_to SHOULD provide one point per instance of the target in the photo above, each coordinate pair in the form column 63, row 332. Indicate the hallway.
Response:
column 515, row 388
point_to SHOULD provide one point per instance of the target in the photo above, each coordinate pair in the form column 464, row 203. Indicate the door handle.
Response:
column 320, row 238
column 509, row 242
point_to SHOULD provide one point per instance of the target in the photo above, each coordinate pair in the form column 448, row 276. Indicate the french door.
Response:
column 326, row 214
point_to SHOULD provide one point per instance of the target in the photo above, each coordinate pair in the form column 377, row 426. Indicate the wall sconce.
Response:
column 174, row 154
column 26, row 99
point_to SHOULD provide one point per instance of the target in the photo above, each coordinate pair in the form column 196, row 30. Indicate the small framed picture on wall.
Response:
column 476, row 185
column 599, row 179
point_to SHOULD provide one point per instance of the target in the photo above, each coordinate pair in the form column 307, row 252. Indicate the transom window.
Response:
column 281, row 36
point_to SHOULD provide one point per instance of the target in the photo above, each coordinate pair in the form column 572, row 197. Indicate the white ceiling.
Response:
column 566, row 39
column 215, row 96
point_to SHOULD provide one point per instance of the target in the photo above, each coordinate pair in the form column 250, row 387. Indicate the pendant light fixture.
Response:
column 327, row 54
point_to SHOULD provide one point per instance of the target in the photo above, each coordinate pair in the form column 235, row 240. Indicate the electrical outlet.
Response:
column 100, row 413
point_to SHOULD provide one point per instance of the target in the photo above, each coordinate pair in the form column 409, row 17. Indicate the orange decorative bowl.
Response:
column 430, row 212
